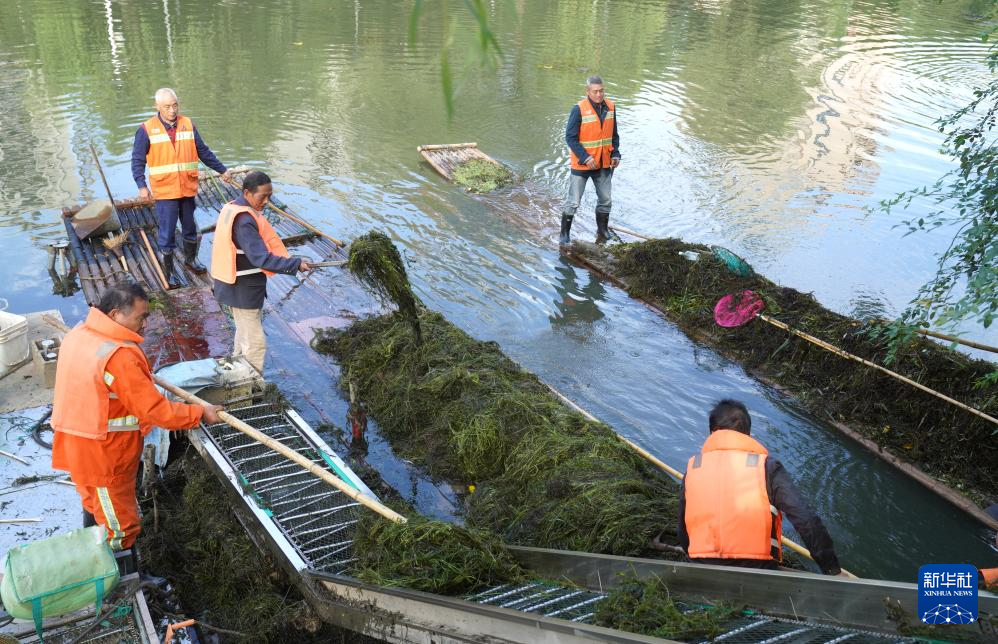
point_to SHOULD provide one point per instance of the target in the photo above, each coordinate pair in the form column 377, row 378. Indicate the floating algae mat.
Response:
column 647, row 607
column 544, row 474
column 953, row 444
column 432, row 556
column 481, row 175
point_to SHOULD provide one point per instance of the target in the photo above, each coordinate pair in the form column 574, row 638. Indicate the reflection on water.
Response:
column 767, row 126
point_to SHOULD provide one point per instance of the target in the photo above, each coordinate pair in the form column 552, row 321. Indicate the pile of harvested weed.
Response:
column 951, row 443
column 218, row 573
column 432, row 556
column 376, row 262
column 646, row 607
column 546, row 476
column 481, row 175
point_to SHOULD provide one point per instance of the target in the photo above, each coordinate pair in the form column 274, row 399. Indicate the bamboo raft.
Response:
column 447, row 157
column 98, row 268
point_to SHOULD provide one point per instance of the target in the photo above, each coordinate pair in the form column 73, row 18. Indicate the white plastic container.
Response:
column 14, row 349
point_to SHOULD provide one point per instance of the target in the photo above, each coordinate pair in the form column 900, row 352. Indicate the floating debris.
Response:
column 481, row 175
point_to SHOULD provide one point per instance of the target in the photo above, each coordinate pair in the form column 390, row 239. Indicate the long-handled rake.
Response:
column 737, row 309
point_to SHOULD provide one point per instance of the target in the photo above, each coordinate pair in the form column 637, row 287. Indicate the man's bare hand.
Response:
column 305, row 266
column 591, row 163
column 227, row 176
column 614, row 162
column 210, row 416
column 145, row 194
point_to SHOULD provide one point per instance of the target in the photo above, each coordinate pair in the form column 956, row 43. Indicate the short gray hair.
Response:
column 164, row 93
column 594, row 80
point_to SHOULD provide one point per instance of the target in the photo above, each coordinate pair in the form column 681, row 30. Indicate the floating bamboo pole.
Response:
column 848, row 356
column 445, row 146
column 87, row 280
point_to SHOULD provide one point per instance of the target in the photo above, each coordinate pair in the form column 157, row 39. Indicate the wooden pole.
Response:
column 154, row 260
column 445, row 146
column 263, row 439
column 304, row 224
column 845, row 354
column 951, row 338
column 631, row 233
column 288, row 453
column 799, row 549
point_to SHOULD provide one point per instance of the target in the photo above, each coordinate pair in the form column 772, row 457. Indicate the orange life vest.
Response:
column 990, row 576
column 728, row 511
column 595, row 137
column 223, row 248
column 82, row 392
column 172, row 165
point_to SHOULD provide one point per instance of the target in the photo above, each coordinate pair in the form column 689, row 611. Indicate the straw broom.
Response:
column 114, row 243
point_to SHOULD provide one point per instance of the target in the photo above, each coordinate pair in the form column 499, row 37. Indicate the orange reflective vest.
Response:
column 728, row 511
column 990, row 576
column 82, row 390
column 172, row 165
column 595, row 137
column 224, row 251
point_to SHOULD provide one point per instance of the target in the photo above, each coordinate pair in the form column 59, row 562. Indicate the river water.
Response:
column 768, row 126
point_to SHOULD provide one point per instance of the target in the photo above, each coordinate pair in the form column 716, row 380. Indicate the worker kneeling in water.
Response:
column 105, row 403
column 733, row 499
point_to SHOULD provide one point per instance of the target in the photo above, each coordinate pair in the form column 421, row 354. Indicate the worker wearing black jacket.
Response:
column 734, row 497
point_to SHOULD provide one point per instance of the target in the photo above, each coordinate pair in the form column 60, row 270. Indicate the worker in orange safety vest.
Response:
column 105, row 403
column 594, row 148
column 246, row 251
column 733, row 499
column 170, row 147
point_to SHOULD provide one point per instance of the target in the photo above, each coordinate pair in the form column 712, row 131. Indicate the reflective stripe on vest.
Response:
column 594, row 136
column 172, row 165
column 248, row 271
column 728, row 511
column 223, row 248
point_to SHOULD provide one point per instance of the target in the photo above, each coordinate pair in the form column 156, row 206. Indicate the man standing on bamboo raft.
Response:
column 171, row 147
column 733, row 498
column 594, row 146
column 105, row 403
column 245, row 252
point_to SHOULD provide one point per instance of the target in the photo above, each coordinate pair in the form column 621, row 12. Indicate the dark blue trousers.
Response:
column 167, row 212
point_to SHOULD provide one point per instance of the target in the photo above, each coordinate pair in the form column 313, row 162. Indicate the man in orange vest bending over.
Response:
column 245, row 252
column 591, row 135
column 171, row 146
column 105, row 403
column 733, row 499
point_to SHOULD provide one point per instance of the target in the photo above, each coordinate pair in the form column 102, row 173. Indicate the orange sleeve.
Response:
column 140, row 398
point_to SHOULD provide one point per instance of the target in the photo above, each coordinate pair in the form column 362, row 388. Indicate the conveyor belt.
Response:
column 310, row 527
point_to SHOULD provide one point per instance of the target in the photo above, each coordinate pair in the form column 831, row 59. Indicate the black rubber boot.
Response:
column 168, row 270
column 602, row 227
column 88, row 519
column 565, row 237
column 191, row 257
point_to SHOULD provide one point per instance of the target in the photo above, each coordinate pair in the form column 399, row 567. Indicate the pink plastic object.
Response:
column 738, row 308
